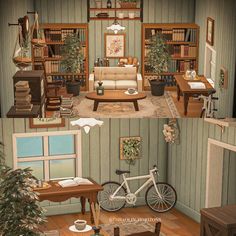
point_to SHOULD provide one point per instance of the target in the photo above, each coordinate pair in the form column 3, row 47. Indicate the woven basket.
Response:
column 128, row 4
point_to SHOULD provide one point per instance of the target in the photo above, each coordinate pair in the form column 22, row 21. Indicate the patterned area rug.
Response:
column 151, row 107
column 129, row 228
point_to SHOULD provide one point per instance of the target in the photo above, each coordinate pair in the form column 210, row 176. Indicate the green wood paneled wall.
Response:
column 100, row 149
column 223, row 12
column 187, row 165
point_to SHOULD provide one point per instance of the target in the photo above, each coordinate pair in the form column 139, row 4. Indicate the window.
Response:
column 51, row 155
column 210, row 65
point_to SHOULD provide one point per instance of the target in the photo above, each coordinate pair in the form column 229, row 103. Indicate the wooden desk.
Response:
column 183, row 89
column 218, row 221
column 58, row 194
column 34, row 113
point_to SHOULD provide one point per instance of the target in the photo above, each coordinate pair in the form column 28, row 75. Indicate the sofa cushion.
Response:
column 115, row 73
column 107, row 84
column 125, row 84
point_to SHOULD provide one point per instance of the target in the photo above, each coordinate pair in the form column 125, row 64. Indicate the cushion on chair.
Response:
column 107, row 84
column 125, row 84
column 115, row 73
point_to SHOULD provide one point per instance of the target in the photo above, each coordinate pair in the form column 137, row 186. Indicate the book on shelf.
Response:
column 22, row 93
column 24, row 109
column 178, row 35
column 22, row 84
column 23, row 99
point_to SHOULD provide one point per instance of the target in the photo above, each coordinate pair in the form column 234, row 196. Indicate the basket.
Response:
column 128, row 4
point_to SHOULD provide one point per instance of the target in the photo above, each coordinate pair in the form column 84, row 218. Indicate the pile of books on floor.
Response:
column 23, row 97
column 66, row 105
column 53, row 104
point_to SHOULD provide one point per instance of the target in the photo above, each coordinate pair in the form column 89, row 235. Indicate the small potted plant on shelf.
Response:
column 128, row 3
column 72, row 62
column 157, row 61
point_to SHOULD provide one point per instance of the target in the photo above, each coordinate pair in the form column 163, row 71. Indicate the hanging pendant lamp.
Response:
column 116, row 27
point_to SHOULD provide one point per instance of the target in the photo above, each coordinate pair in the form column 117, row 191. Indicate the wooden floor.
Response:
column 194, row 107
column 173, row 223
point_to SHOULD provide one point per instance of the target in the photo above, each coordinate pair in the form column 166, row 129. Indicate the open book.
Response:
column 74, row 182
column 197, row 85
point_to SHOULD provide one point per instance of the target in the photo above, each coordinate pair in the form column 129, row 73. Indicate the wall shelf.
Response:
column 92, row 10
column 227, row 122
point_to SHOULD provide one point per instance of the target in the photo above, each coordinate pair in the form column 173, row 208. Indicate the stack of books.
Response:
column 23, row 97
column 53, row 104
column 66, row 105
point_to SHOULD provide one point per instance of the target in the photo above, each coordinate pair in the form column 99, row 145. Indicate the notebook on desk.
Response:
column 74, row 182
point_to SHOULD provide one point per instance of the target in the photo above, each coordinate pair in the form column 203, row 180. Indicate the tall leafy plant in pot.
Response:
column 20, row 213
column 157, row 60
column 72, row 60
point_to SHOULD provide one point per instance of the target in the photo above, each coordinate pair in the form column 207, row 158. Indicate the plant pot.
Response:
column 128, row 4
column 157, row 87
column 73, row 87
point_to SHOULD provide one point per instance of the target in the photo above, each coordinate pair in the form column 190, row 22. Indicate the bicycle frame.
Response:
column 150, row 178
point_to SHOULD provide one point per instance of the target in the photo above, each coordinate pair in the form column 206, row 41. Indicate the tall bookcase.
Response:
column 183, row 44
column 51, row 54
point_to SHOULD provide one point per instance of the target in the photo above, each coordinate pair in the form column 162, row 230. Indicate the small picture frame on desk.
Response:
column 46, row 122
column 210, row 31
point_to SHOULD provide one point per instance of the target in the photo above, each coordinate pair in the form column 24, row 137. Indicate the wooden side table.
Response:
column 218, row 221
column 183, row 89
column 34, row 113
column 56, row 193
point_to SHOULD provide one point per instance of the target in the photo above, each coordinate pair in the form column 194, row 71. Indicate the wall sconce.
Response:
column 171, row 132
column 86, row 123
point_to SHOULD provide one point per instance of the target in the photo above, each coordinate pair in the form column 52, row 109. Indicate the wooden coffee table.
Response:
column 115, row 96
column 183, row 89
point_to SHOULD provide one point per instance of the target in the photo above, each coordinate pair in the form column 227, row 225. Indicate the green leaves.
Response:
column 131, row 149
column 158, row 56
column 72, row 56
column 20, row 213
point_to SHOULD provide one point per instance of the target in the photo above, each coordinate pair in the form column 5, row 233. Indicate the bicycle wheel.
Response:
column 167, row 193
column 104, row 197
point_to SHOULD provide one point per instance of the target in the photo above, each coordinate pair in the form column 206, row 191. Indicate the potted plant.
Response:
column 72, row 60
column 157, row 60
column 20, row 213
column 128, row 3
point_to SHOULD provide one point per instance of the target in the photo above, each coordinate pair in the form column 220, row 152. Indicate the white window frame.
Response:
column 212, row 78
column 46, row 158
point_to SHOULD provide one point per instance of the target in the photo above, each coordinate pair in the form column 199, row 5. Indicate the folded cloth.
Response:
column 197, row 85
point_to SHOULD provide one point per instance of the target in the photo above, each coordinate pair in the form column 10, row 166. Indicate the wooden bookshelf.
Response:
column 93, row 11
column 183, row 43
column 54, row 35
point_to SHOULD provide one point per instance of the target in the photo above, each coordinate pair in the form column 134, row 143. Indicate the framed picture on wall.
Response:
column 46, row 122
column 210, row 31
column 114, row 45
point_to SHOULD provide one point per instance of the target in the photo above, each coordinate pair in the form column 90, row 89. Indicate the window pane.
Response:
column 61, row 145
column 29, row 147
column 36, row 166
column 62, row 168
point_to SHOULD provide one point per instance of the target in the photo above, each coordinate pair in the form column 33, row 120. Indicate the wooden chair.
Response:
column 147, row 233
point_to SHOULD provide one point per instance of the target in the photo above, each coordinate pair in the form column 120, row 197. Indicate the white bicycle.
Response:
column 208, row 109
column 160, row 197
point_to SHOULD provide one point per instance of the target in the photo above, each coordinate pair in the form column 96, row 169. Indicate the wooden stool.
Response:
column 218, row 221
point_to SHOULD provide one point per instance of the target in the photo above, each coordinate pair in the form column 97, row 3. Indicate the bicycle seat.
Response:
column 121, row 172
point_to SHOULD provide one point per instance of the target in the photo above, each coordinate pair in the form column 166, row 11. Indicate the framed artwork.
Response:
column 46, row 122
column 114, row 45
column 130, row 148
column 210, row 31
